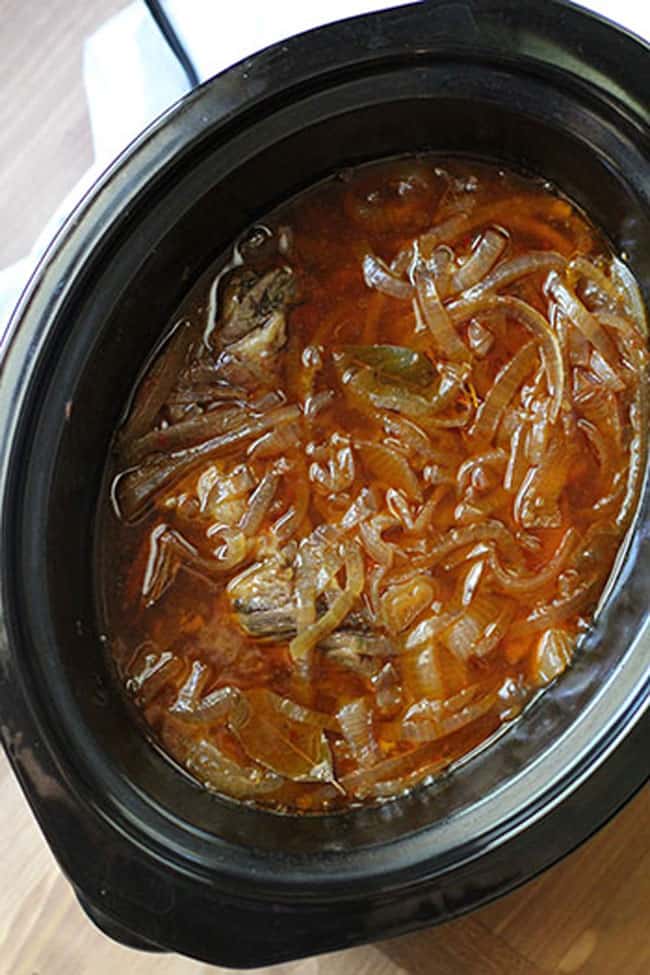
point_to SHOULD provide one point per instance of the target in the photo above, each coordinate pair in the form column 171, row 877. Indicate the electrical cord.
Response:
column 176, row 46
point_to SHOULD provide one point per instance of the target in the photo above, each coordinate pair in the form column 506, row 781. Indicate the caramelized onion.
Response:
column 135, row 489
column 626, row 281
column 355, row 720
column 505, row 274
column 447, row 721
column 519, row 583
column 559, row 610
column 259, row 503
column 370, row 534
column 216, row 771
column 552, row 655
column 490, row 530
column 395, row 775
column 377, row 275
column 539, row 327
column 435, row 315
column 403, row 602
column 158, row 383
column 506, row 384
column 486, row 253
column 390, row 468
column 343, row 603
column 581, row 318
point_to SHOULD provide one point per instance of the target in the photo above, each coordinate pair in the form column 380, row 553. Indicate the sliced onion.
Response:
column 288, row 524
column 214, row 707
column 516, row 466
column 151, row 671
column 425, row 515
column 361, row 644
column 559, row 610
column 637, row 453
column 232, row 551
column 426, row 633
column 169, row 551
column 158, row 382
column 137, row 488
column 190, row 692
column 446, row 232
column 486, row 253
column 435, row 315
column 305, row 588
column 421, row 674
column 552, row 655
column 600, row 444
column 476, row 509
column 447, row 723
column 519, row 583
column 502, row 276
column 480, row 339
column 260, row 502
column 408, row 434
column 399, row 507
column 378, row 276
column 471, row 582
column 343, row 603
column 216, row 771
column 479, row 630
column 403, row 602
column 395, row 775
column 579, row 347
column 580, row 316
column 363, row 507
column 496, row 457
column 491, row 530
column 531, row 319
column 387, row 690
column 506, row 384
column 537, row 502
column 580, row 267
column 297, row 712
column 626, row 281
column 440, row 265
column 317, row 562
column 390, row 467
column 370, row 533
column 186, row 432
column 355, row 720
column 317, row 403
column 275, row 442
column 604, row 372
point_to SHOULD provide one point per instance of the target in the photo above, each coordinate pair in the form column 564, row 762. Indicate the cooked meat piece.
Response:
column 249, row 301
column 253, row 329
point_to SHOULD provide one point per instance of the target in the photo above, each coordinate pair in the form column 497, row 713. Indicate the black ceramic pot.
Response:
column 156, row 861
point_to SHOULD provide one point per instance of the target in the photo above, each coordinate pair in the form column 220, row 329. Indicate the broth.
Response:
column 370, row 489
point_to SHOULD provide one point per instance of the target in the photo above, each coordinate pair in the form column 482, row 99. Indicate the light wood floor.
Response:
column 589, row 915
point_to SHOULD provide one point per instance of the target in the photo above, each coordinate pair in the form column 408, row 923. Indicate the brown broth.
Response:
column 447, row 635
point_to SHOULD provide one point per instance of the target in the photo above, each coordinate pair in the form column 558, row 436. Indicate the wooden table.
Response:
column 588, row 915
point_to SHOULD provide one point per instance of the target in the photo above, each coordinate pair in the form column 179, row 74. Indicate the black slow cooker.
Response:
column 156, row 861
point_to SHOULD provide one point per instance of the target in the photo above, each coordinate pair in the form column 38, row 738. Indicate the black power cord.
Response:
column 176, row 46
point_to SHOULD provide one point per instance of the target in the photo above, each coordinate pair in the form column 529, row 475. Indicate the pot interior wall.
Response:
column 191, row 214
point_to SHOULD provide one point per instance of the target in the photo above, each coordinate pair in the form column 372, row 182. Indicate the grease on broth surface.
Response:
column 370, row 490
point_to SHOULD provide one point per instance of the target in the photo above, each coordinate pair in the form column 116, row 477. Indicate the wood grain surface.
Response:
column 589, row 915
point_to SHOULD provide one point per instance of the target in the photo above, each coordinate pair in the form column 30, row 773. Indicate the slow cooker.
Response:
column 156, row 861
